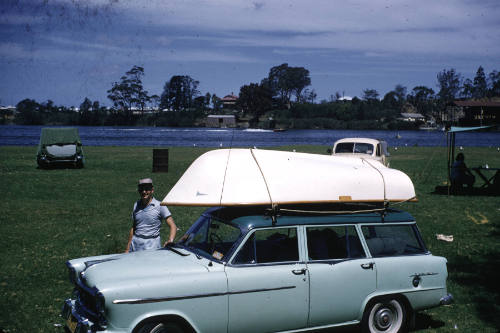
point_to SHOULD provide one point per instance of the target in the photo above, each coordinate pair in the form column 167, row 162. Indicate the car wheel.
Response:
column 159, row 327
column 385, row 315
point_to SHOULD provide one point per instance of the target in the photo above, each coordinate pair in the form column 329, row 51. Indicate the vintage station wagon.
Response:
column 245, row 270
column 271, row 255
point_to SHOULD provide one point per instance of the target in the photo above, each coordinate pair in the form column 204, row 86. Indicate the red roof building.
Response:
column 229, row 101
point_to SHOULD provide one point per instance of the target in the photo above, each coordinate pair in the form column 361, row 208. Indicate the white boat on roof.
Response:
column 230, row 177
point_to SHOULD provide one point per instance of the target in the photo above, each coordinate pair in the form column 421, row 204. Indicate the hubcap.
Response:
column 384, row 318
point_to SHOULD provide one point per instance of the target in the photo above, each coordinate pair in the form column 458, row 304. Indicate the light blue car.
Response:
column 245, row 269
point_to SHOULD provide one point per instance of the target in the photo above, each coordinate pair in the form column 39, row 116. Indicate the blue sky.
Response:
column 66, row 50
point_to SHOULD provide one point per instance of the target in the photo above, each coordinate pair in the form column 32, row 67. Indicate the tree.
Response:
column 28, row 112
column 154, row 101
column 98, row 113
column 48, row 106
column 299, row 77
column 284, row 81
column 449, row 85
column 201, row 102
column 494, row 84
column 309, row 96
column 179, row 93
column 255, row 99
column 480, row 85
column 390, row 101
column 336, row 97
column 400, row 94
column 216, row 103
column 467, row 89
column 370, row 95
column 423, row 98
column 85, row 112
column 129, row 92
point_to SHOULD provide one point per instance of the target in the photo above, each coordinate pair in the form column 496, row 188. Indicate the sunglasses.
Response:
column 145, row 188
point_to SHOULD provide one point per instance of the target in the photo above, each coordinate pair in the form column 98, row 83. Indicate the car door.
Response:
column 268, row 285
column 341, row 276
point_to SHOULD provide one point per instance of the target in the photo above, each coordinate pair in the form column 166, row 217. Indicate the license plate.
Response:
column 71, row 323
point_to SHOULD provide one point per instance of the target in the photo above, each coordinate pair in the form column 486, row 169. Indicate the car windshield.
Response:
column 354, row 148
column 210, row 237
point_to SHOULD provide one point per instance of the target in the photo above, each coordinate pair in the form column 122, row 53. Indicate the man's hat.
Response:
column 145, row 181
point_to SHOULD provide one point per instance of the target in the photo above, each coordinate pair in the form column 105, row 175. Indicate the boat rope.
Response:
column 264, row 178
column 386, row 202
column 407, row 200
column 227, row 164
column 372, row 210
column 224, row 180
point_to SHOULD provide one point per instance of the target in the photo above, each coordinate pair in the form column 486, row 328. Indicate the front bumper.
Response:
column 44, row 160
column 77, row 323
column 446, row 300
column 74, row 321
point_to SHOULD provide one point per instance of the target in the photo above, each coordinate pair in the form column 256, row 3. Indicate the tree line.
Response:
column 283, row 97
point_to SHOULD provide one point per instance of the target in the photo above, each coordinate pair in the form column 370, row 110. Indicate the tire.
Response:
column 387, row 315
column 160, row 327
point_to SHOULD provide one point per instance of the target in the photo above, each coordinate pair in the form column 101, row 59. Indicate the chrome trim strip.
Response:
column 423, row 289
column 176, row 298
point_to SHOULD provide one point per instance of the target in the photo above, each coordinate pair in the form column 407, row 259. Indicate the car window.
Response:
column 269, row 246
column 346, row 147
column 212, row 237
column 393, row 240
column 333, row 242
column 363, row 148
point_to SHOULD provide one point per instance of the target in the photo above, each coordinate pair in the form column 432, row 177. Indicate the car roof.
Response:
column 358, row 140
column 259, row 217
column 59, row 135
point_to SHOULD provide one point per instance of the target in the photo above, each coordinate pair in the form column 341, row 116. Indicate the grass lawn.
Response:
column 50, row 216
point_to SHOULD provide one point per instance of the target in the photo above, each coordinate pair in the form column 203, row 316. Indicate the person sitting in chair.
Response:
column 460, row 174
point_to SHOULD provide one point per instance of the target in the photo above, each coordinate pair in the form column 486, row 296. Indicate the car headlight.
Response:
column 73, row 277
column 100, row 303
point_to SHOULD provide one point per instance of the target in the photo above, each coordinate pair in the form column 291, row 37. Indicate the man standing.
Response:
column 147, row 217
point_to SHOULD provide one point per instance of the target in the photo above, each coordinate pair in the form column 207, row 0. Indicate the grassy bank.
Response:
column 50, row 216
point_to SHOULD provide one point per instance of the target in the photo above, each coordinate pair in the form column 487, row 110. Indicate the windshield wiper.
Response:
column 171, row 246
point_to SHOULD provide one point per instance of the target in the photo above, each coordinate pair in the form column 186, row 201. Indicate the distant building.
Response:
column 146, row 109
column 412, row 117
column 7, row 113
column 229, row 101
column 8, row 108
column 474, row 112
column 221, row 121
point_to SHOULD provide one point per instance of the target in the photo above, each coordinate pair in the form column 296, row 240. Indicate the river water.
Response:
column 14, row 135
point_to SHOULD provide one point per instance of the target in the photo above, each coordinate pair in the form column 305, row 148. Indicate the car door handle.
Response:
column 368, row 265
column 299, row 271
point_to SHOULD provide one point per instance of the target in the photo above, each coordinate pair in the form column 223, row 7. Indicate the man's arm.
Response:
column 129, row 239
column 173, row 229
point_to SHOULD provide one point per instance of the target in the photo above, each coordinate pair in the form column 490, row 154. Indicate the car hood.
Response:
column 123, row 269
